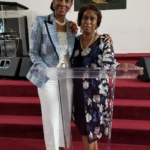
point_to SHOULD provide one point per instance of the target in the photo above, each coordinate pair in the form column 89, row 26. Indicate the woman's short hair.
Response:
column 91, row 7
column 52, row 6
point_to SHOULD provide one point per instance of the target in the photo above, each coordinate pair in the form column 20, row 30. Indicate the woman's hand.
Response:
column 108, row 37
column 127, row 65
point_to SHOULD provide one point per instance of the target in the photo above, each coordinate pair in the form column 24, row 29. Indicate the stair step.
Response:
column 20, row 100
column 119, row 83
column 131, row 103
column 22, row 106
column 131, row 56
column 131, row 109
column 127, row 61
column 21, row 144
column 36, row 144
column 130, row 124
column 131, row 131
column 132, row 89
column 21, row 120
column 123, row 131
column 6, row 82
column 21, row 126
column 30, row 106
column 19, row 88
column 131, row 83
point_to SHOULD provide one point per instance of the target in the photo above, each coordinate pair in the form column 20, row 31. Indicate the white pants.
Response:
column 51, row 114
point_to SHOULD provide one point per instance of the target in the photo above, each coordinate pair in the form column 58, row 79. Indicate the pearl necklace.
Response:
column 86, row 50
column 61, row 24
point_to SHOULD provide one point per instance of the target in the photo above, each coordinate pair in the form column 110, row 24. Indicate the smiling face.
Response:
column 89, row 22
column 62, row 6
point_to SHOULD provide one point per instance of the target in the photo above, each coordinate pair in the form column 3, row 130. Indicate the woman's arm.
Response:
column 108, row 37
column 108, row 55
column 35, row 45
column 109, row 60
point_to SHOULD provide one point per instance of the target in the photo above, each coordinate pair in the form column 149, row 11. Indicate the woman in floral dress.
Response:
column 90, row 100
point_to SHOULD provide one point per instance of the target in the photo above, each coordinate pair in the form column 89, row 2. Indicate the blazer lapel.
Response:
column 52, row 32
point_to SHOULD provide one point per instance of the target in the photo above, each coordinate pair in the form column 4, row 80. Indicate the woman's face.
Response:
column 62, row 6
column 89, row 22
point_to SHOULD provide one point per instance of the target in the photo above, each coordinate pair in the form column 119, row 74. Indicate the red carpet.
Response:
column 21, row 124
column 34, row 144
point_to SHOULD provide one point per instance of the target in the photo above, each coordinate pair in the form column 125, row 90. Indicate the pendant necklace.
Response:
column 86, row 50
column 61, row 24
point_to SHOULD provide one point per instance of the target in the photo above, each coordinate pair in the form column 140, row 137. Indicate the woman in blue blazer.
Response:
column 52, row 43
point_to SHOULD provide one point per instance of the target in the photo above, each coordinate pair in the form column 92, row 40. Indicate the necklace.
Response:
column 86, row 50
column 61, row 24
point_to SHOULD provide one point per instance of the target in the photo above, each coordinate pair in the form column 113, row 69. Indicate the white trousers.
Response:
column 51, row 114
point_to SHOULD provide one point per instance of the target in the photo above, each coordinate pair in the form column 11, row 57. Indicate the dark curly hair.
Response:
column 52, row 6
column 91, row 7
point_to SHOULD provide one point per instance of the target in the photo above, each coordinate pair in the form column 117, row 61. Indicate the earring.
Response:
column 53, row 7
column 96, row 31
column 81, row 30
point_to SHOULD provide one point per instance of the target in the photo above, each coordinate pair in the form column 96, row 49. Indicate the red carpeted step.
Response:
column 21, row 120
column 36, row 144
column 21, row 100
column 125, row 89
column 132, row 103
column 17, row 88
column 131, row 132
column 30, row 106
column 131, row 56
column 123, row 131
column 22, row 106
column 132, row 83
column 21, row 144
column 131, row 124
column 21, row 126
column 132, row 89
column 131, row 109
column 127, row 61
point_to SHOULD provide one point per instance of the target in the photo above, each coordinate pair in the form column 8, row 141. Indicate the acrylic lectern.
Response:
column 13, row 29
column 66, row 78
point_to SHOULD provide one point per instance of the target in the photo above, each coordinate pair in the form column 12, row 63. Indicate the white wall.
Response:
column 129, row 28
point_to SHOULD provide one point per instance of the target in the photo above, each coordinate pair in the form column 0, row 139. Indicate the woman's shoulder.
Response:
column 104, row 40
column 41, row 18
column 39, row 21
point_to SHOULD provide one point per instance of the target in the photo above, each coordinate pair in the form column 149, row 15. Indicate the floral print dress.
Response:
column 90, row 96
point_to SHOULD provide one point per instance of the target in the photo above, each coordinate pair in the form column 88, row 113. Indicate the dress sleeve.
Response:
column 108, row 56
column 75, row 52
column 35, row 44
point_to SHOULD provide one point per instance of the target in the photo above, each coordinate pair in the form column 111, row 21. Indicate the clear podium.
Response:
column 13, row 29
column 66, row 77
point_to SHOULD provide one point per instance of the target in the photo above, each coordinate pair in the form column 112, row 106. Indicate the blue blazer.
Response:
column 45, row 49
